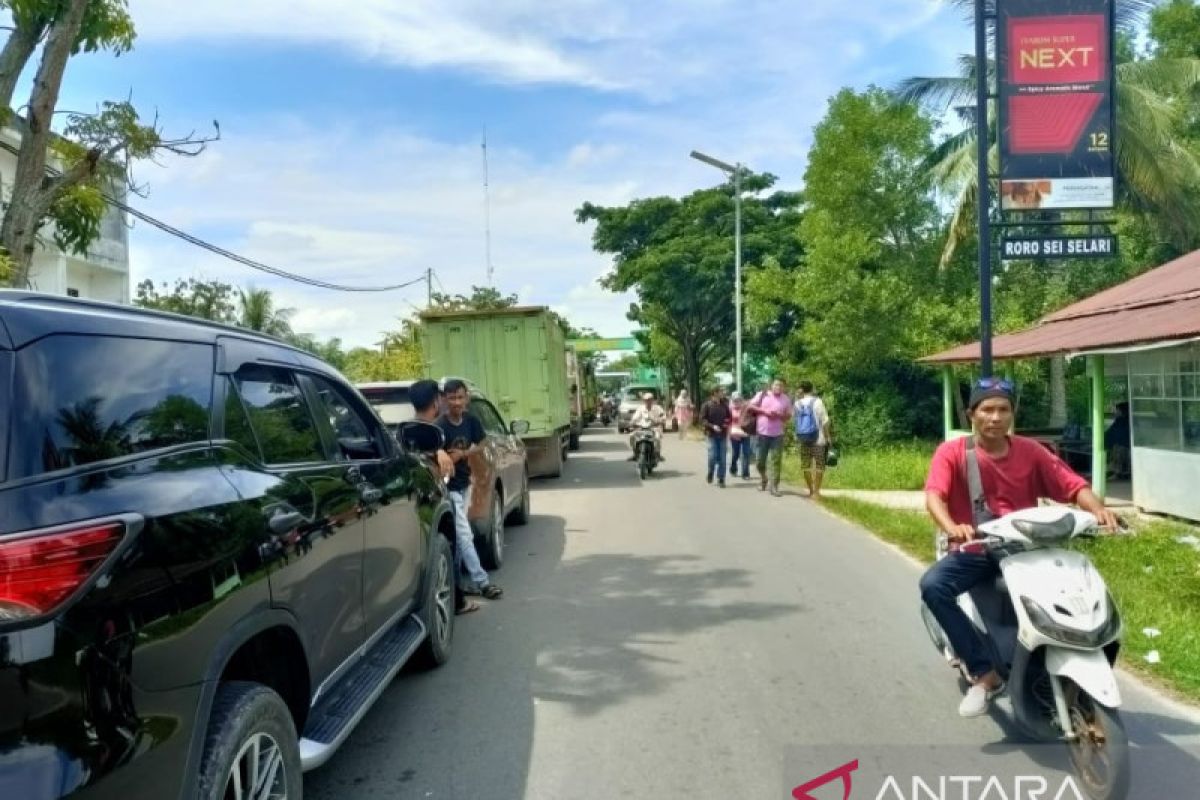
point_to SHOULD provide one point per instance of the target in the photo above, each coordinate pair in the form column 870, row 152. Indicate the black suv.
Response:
column 213, row 556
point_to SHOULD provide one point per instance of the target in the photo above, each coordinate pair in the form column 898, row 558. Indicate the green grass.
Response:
column 1155, row 580
column 901, row 466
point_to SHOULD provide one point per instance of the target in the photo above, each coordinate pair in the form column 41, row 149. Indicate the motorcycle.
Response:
column 645, row 449
column 1053, row 630
column 606, row 412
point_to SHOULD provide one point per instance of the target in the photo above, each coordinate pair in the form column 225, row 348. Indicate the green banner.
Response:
column 603, row 345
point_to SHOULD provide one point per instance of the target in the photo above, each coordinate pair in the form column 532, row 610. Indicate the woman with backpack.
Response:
column 813, row 435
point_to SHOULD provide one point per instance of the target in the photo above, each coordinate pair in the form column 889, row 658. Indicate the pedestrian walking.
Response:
column 814, row 435
column 741, row 434
column 683, row 412
column 773, row 409
column 716, row 418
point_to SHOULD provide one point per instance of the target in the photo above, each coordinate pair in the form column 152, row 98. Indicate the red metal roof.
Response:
column 1160, row 305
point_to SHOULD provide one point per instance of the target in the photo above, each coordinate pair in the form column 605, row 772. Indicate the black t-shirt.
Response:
column 460, row 437
column 715, row 413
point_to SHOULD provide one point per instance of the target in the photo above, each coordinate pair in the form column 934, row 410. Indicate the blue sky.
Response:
column 350, row 145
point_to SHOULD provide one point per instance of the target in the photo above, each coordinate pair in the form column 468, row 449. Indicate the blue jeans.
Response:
column 465, row 539
column 716, row 457
column 741, row 451
column 941, row 585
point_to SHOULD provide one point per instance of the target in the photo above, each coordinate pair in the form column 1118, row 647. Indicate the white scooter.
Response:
column 1053, row 632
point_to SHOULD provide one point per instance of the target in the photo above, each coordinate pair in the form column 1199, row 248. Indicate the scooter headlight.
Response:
column 1107, row 631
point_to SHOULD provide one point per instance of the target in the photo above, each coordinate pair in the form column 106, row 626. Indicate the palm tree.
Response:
column 257, row 311
column 1157, row 172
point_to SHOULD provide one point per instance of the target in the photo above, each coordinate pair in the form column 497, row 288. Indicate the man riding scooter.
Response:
column 652, row 413
column 1015, row 472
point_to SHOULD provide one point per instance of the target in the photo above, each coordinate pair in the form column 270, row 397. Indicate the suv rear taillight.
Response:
column 38, row 572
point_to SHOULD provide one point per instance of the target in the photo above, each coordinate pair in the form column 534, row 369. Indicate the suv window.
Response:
column 391, row 404
column 489, row 417
column 354, row 435
column 83, row 399
column 279, row 416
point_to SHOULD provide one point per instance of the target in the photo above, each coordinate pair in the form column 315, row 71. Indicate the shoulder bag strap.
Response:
column 979, row 507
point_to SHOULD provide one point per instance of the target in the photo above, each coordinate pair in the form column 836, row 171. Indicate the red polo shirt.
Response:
column 1027, row 473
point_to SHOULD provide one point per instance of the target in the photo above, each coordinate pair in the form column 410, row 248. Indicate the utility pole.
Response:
column 487, row 215
column 429, row 287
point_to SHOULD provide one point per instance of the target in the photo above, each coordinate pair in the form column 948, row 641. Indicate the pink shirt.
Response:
column 780, row 404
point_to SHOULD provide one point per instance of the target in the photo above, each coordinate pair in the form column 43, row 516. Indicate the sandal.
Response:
column 492, row 592
column 468, row 607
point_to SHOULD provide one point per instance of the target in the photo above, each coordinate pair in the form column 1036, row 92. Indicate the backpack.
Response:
column 806, row 422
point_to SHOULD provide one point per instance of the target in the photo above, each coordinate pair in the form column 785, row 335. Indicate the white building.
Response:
column 102, row 274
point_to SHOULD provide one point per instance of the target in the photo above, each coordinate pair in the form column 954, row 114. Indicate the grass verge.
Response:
column 893, row 467
column 1154, row 578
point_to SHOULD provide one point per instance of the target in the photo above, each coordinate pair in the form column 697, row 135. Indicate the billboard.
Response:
column 1055, row 80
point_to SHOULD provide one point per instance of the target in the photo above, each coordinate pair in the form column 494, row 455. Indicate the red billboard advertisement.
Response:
column 1055, row 77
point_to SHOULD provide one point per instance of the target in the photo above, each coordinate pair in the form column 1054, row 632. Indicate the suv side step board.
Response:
column 336, row 714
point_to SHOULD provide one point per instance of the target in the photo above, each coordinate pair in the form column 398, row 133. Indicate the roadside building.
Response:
column 101, row 274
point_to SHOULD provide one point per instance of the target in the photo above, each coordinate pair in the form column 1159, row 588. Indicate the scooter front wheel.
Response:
column 1100, row 751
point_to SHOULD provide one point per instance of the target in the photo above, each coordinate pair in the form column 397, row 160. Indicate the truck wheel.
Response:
column 437, row 610
column 556, row 465
column 573, row 442
column 251, row 748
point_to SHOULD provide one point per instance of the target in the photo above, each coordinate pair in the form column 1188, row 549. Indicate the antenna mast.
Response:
column 487, row 214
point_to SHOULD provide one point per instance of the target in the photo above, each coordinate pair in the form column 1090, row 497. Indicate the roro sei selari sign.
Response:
column 1014, row 248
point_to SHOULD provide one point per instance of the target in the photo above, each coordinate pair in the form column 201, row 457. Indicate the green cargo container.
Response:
column 518, row 357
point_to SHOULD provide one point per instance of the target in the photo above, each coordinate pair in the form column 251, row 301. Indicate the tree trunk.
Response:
column 30, row 200
column 960, row 408
column 1058, row 392
column 691, row 365
column 13, row 58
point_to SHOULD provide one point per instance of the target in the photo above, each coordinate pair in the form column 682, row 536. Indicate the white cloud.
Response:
column 383, row 212
column 666, row 49
column 366, row 203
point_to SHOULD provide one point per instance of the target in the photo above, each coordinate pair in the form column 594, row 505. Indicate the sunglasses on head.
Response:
column 1002, row 384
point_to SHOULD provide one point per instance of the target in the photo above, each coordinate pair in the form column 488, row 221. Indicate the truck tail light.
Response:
column 38, row 572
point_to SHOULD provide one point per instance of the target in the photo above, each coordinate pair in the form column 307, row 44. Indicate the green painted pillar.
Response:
column 1099, row 457
column 947, row 400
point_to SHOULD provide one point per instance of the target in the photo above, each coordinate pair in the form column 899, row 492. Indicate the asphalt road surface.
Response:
column 669, row 639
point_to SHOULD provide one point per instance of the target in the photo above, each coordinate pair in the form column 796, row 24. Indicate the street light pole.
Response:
column 737, row 272
column 736, row 172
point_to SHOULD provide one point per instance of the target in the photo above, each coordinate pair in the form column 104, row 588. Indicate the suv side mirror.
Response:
column 421, row 437
column 519, row 427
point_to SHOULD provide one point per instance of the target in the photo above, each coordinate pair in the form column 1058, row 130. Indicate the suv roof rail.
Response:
column 41, row 298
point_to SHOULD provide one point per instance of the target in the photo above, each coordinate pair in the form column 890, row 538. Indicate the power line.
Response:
column 212, row 248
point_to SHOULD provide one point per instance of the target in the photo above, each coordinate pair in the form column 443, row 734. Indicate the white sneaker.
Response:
column 975, row 704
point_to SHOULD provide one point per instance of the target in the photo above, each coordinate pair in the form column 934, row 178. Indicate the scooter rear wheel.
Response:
column 1100, row 752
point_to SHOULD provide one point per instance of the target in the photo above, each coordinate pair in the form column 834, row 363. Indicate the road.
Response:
column 670, row 639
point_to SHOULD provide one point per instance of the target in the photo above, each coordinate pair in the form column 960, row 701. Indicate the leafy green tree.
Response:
column 869, row 297
column 96, row 151
column 481, row 298
column 257, row 311
column 677, row 254
column 1175, row 29
column 211, row 300
column 329, row 350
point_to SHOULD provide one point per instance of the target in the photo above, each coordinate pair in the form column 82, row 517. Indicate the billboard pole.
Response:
column 984, row 191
